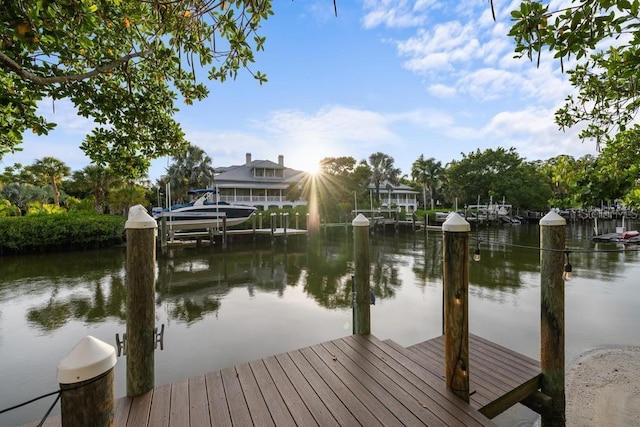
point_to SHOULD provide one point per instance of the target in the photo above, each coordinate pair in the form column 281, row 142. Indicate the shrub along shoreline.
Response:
column 58, row 232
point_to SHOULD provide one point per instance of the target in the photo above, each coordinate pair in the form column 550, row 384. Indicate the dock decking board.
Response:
column 355, row 380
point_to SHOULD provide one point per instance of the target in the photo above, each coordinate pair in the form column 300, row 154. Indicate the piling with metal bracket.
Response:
column 141, row 288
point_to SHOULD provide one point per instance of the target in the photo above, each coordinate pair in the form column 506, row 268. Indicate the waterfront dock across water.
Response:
column 355, row 380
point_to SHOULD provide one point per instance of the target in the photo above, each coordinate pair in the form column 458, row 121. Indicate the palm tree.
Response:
column 51, row 170
column 382, row 169
column 428, row 173
column 95, row 180
column 189, row 170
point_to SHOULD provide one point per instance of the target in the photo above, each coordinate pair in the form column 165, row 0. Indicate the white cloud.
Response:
column 442, row 91
column 535, row 135
column 64, row 114
column 396, row 13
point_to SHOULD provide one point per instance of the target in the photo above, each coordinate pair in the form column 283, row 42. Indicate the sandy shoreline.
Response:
column 603, row 388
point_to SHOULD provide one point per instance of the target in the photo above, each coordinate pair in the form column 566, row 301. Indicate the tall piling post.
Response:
column 362, row 265
column 86, row 379
column 552, row 355
column 455, row 273
column 141, row 288
column 224, row 232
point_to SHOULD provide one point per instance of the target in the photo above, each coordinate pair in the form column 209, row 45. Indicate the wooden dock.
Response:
column 356, row 380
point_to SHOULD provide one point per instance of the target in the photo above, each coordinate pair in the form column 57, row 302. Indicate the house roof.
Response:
column 244, row 173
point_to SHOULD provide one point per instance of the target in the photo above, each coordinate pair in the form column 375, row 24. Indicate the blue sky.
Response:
column 402, row 77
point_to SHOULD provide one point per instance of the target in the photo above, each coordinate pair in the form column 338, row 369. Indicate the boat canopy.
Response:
column 202, row 191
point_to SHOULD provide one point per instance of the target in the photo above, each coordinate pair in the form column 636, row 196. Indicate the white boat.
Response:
column 204, row 212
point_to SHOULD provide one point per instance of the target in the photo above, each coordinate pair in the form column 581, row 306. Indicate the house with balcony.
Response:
column 260, row 183
column 396, row 196
column 264, row 184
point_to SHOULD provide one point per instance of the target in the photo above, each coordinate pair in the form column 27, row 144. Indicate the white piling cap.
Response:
column 552, row 218
column 88, row 359
column 360, row 221
column 455, row 223
column 139, row 218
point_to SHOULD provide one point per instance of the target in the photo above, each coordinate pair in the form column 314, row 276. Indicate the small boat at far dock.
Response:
column 625, row 237
column 204, row 212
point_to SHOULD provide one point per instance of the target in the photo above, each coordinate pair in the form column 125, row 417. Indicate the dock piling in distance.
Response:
column 362, row 318
column 86, row 381
column 455, row 277
column 140, row 279
column 552, row 355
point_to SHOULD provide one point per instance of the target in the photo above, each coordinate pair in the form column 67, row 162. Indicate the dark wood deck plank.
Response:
column 352, row 386
column 140, row 409
column 160, row 406
column 499, row 369
column 505, row 376
column 385, row 398
column 255, row 401
column 318, row 409
column 296, row 406
column 481, row 377
column 364, row 415
column 218, row 407
column 121, row 411
column 277, row 408
column 355, row 380
column 420, row 404
column 493, row 373
column 479, row 395
column 179, row 413
column 198, row 403
column 327, row 388
column 447, row 406
column 238, row 408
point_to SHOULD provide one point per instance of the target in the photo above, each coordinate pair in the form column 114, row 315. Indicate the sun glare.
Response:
column 312, row 166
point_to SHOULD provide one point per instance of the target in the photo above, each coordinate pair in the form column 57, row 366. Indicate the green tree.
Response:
column 52, row 171
column 604, row 36
column 17, row 173
column 20, row 195
column 93, row 182
column 428, row 173
column 615, row 173
column 121, row 63
column 498, row 174
column 129, row 194
column 189, row 170
column 382, row 169
column 563, row 173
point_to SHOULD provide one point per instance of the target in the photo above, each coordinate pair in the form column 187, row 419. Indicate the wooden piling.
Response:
column 224, row 232
column 552, row 355
column 164, row 232
column 86, row 379
column 362, row 318
column 140, row 279
column 285, row 224
column 455, row 273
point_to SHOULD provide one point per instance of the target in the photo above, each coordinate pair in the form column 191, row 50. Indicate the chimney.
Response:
column 248, row 158
column 281, row 160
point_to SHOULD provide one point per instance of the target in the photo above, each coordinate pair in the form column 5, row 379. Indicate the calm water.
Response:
column 253, row 301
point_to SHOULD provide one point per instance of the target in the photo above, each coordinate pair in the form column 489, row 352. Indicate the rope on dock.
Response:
column 59, row 394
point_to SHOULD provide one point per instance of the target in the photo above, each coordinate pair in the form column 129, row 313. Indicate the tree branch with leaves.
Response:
column 122, row 63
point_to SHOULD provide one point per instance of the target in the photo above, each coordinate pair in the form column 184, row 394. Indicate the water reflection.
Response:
column 93, row 307
column 253, row 300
